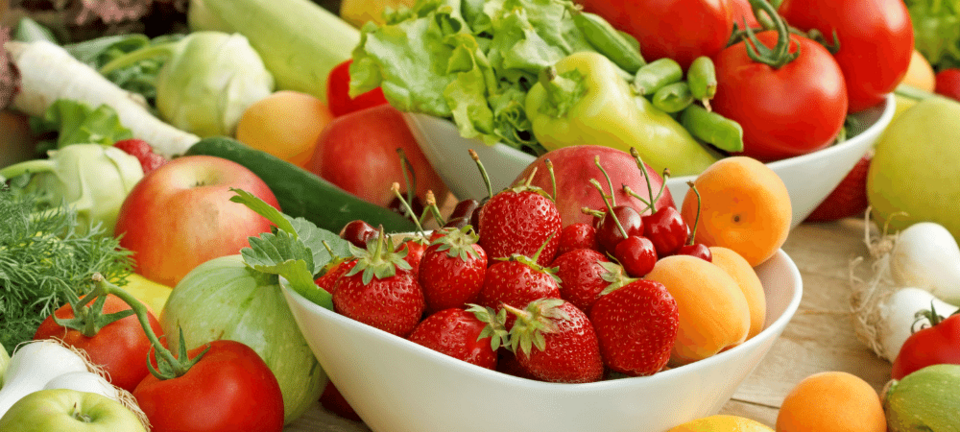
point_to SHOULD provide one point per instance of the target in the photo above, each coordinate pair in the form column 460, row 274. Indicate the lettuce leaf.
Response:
column 470, row 61
column 936, row 30
column 77, row 123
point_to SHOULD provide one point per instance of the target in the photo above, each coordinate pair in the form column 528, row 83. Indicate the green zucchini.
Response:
column 301, row 193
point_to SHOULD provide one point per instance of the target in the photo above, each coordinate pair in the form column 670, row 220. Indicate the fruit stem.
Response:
column 543, row 246
column 553, row 178
column 628, row 191
column 433, row 209
column 646, row 178
column 407, row 169
column 613, row 198
column 696, row 221
column 395, row 188
column 606, row 202
column 483, row 172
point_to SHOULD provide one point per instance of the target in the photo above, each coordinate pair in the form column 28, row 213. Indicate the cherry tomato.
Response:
column 679, row 29
column 948, row 83
column 229, row 389
column 792, row 110
column 876, row 42
column 338, row 92
column 120, row 347
column 937, row 344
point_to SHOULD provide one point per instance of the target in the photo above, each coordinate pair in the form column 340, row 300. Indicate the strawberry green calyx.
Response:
column 378, row 261
column 532, row 261
column 458, row 243
column 616, row 275
column 539, row 317
column 495, row 327
column 527, row 187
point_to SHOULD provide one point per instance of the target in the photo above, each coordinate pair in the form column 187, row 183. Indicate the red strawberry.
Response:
column 332, row 271
column 584, row 274
column 637, row 327
column 149, row 160
column 470, row 336
column 380, row 290
column 521, row 220
column 849, row 198
column 517, row 281
column 332, row 400
column 554, row 341
column 452, row 270
column 412, row 250
column 580, row 235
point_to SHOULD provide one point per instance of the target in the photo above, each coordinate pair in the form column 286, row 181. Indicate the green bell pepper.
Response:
column 585, row 99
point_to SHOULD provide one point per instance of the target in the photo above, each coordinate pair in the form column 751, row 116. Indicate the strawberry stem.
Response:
column 610, row 212
column 483, row 172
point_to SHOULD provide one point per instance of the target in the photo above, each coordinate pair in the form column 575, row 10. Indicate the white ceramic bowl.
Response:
column 398, row 386
column 809, row 178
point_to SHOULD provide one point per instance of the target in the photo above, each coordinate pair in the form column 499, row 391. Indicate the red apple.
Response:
column 358, row 153
column 180, row 216
column 574, row 167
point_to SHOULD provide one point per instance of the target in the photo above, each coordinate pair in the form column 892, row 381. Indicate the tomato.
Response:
column 788, row 111
column 742, row 11
column 120, row 347
column 948, row 83
column 338, row 92
column 679, row 29
column 229, row 389
column 876, row 42
column 937, row 344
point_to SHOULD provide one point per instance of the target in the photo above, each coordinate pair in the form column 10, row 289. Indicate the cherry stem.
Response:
column 628, row 191
column 395, row 188
column 606, row 202
column 529, row 179
column 596, row 161
column 483, row 172
column 646, row 177
column 696, row 221
column 433, row 209
column 591, row 212
column 553, row 178
column 407, row 169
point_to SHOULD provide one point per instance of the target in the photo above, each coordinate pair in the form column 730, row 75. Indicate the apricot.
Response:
column 285, row 124
column 832, row 401
column 714, row 313
column 739, row 269
column 745, row 207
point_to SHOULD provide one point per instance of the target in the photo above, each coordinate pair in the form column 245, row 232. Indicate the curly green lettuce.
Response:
column 936, row 31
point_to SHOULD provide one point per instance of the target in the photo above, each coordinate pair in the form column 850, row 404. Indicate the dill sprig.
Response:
column 42, row 257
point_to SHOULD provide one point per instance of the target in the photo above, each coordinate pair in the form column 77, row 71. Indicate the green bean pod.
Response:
column 713, row 128
column 673, row 98
column 656, row 74
column 702, row 78
column 609, row 42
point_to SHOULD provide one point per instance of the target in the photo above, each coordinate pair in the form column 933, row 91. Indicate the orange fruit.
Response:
column 285, row 124
column 832, row 402
column 745, row 207
column 739, row 269
column 920, row 74
column 722, row 423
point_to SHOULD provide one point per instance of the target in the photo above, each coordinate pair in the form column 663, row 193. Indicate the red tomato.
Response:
column 937, row 344
column 741, row 10
column 679, row 29
column 795, row 109
column 121, row 347
column 948, row 83
column 876, row 42
column 229, row 389
column 338, row 92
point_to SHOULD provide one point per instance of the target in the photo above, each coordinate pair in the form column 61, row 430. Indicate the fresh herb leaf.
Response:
column 76, row 123
column 263, row 209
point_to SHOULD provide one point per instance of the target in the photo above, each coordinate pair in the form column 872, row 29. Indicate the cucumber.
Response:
column 301, row 193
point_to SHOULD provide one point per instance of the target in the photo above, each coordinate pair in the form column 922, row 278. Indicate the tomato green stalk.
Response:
column 780, row 55
column 88, row 320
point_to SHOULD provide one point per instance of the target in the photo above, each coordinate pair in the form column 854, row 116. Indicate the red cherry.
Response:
column 358, row 232
column 666, row 229
column 637, row 255
column 609, row 233
column 698, row 250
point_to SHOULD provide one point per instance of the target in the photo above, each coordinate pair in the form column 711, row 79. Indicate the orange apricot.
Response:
column 832, row 401
column 714, row 314
column 739, row 269
column 285, row 124
column 745, row 207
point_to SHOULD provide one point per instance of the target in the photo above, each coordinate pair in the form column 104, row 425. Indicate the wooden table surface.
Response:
column 820, row 337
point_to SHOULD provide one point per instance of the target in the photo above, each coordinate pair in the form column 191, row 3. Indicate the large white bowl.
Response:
column 809, row 178
column 398, row 386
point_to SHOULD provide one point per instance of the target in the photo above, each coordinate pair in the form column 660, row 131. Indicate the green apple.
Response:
column 69, row 410
column 914, row 173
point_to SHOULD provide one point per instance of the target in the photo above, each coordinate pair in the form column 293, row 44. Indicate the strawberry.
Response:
column 520, row 220
column 452, row 270
column 636, row 326
column 584, row 274
column 517, row 281
column 554, row 341
column 413, row 249
column 470, row 335
column 332, row 271
column 580, row 235
column 849, row 198
column 332, row 400
column 149, row 160
column 380, row 290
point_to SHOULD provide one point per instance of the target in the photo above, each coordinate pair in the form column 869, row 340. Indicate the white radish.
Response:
column 48, row 73
column 32, row 366
column 83, row 381
column 927, row 256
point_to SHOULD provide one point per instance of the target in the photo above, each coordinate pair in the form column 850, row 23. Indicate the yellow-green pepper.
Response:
column 585, row 100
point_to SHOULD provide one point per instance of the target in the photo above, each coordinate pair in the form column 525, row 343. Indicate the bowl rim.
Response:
column 777, row 326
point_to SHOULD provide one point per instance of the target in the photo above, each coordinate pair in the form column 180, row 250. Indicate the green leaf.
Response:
column 284, row 255
column 263, row 209
column 314, row 237
column 77, row 123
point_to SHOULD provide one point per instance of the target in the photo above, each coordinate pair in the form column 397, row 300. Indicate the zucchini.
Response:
column 301, row 193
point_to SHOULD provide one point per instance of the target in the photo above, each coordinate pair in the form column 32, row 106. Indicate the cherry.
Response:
column 358, row 232
column 580, row 235
column 692, row 248
column 666, row 229
column 637, row 255
column 618, row 224
column 415, row 204
column 462, row 213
